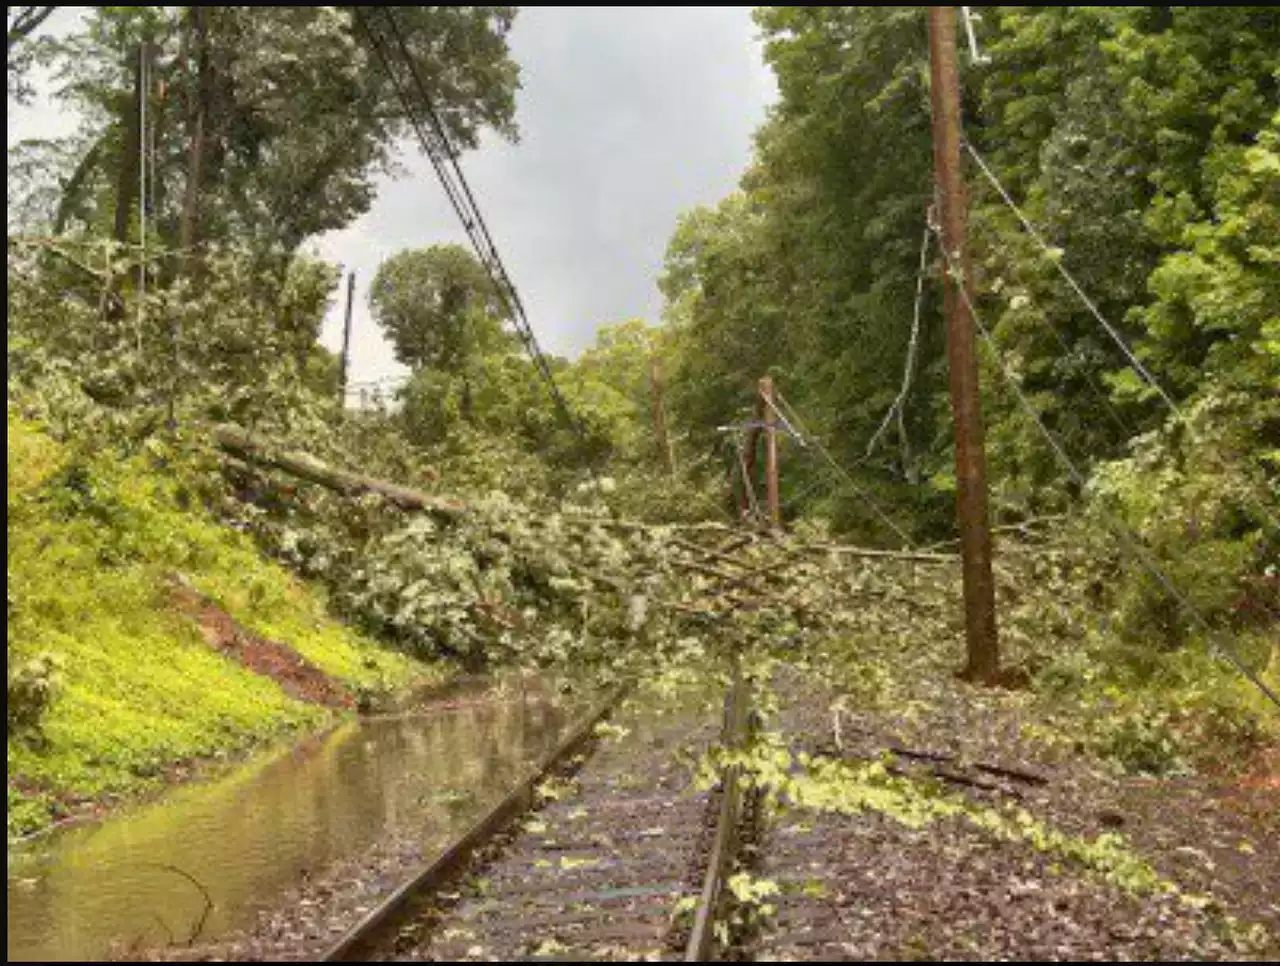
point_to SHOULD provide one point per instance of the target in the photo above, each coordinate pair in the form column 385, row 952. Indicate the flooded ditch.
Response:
column 139, row 879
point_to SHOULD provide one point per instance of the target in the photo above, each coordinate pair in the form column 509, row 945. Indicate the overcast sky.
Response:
column 628, row 116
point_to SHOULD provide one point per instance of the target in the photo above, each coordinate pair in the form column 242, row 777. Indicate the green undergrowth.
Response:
column 1083, row 680
column 110, row 683
column 1194, row 711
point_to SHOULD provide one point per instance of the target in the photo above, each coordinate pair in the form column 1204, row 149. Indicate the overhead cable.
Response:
column 444, row 159
column 1122, row 530
column 793, row 420
column 899, row 403
column 1055, row 256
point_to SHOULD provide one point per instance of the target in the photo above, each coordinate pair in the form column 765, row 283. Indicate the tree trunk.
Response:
column 166, row 112
column 241, row 444
column 197, row 122
column 127, row 178
column 75, row 185
column 663, row 441
column 127, row 174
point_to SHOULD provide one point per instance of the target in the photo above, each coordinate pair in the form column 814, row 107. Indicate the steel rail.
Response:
column 702, row 940
column 366, row 937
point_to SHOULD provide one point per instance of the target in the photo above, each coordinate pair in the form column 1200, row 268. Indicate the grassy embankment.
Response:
column 113, row 690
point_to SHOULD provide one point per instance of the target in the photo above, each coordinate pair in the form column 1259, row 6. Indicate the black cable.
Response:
column 444, row 160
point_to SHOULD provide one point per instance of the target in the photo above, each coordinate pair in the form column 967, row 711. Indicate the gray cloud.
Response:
column 628, row 116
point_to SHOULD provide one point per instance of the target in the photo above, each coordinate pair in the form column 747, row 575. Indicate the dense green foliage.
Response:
column 109, row 682
column 1144, row 143
column 1159, row 196
column 298, row 115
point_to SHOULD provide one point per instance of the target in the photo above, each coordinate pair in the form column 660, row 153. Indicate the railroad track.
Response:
column 604, row 851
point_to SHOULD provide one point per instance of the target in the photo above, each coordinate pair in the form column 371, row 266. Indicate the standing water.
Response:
column 249, row 836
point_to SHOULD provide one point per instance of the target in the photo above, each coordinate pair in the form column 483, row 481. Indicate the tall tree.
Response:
column 299, row 115
column 22, row 23
column 437, row 305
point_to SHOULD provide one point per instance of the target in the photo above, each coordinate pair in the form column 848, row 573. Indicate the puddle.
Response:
column 252, row 834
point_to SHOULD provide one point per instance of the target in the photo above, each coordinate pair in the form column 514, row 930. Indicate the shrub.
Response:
column 32, row 686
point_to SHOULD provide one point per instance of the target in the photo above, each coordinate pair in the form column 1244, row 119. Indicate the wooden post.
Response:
column 346, row 340
column 660, row 415
column 771, row 451
column 971, row 494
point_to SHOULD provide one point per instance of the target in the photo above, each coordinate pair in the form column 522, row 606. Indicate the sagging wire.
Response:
column 978, row 57
column 737, row 444
column 795, row 422
column 899, row 403
column 1055, row 256
column 1119, row 527
column 444, row 158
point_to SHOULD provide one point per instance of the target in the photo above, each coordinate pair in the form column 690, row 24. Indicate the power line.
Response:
column 1127, row 536
column 747, row 484
column 1089, row 377
column 900, row 402
column 801, row 433
column 797, row 499
column 978, row 57
column 1119, row 340
column 444, row 159
column 1054, row 256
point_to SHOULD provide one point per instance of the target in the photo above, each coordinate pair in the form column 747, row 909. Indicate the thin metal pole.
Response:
column 144, row 94
column 346, row 338
column 771, row 451
column 656, row 385
column 971, row 495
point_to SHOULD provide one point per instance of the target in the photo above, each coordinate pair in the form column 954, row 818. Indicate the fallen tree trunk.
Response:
column 241, row 444
column 872, row 554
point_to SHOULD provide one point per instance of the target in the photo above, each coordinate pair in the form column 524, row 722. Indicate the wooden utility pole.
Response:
column 656, row 385
column 770, row 451
column 346, row 339
column 971, row 495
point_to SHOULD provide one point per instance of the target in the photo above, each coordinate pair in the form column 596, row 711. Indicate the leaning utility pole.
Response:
column 770, row 451
column 966, row 407
column 662, row 439
column 346, row 339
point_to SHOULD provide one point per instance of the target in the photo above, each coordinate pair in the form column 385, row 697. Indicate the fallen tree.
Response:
column 243, row 445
